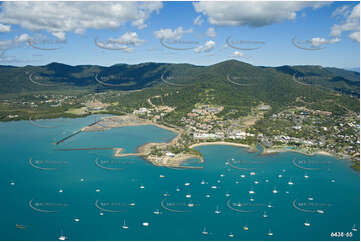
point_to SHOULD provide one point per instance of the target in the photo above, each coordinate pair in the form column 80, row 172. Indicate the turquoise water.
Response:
column 330, row 187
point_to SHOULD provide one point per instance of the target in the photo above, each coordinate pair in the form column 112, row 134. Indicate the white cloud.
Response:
column 238, row 54
column 351, row 23
column 169, row 34
column 254, row 14
column 321, row 41
column 207, row 47
column 123, row 42
column 341, row 11
column 198, row 20
column 355, row 36
column 60, row 17
column 12, row 43
column 4, row 28
column 211, row 32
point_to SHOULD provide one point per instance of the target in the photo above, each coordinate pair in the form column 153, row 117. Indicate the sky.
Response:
column 200, row 33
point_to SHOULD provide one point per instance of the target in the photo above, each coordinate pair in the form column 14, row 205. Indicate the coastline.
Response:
column 219, row 143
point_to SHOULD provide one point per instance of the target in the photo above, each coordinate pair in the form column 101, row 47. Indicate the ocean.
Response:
column 91, row 195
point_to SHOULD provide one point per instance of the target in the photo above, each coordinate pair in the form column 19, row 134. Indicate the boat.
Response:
column 207, row 196
column 97, row 190
column 270, row 233
column 256, row 182
column 306, row 176
column 61, row 190
column 320, row 211
column 187, row 184
column 145, row 224
column 266, row 180
column 221, row 175
column 269, row 205
column 252, row 173
column 251, row 192
column 203, row 182
column 141, row 187
column 101, row 214
column 310, row 198
column 242, row 176
column 76, row 220
column 82, row 179
column 283, row 170
column 333, row 180
column 228, row 194
column 230, row 235
column 217, row 210
column 307, row 224
column 275, row 190
column 132, row 204
column 166, row 194
column 124, row 226
column 265, row 215
column 161, row 176
column 279, row 176
column 245, row 228
column 157, row 212
column 177, row 189
column 251, row 199
column 290, row 182
column 204, row 231
column 191, row 205
column 214, row 187
column 354, row 228
column 12, row 183
column 188, row 195
column 218, row 181
column 62, row 236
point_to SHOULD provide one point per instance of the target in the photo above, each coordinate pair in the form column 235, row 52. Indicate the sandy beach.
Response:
column 219, row 143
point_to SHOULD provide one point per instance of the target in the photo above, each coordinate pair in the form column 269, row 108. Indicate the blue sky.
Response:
column 260, row 33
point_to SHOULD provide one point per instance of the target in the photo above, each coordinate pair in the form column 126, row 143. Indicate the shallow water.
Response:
column 48, row 201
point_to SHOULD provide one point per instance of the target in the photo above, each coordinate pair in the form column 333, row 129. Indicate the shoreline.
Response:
column 219, row 143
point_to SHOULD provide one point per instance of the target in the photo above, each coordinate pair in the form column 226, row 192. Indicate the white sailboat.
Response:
column 204, row 231
column 290, row 182
column 274, row 190
column 217, row 211
column 62, row 236
column 270, row 233
column 354, row 228
column 230, row 235
column 265, row 215
column 124, row 226
column 157, row 212
column 307, row 224
column 306, row 176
